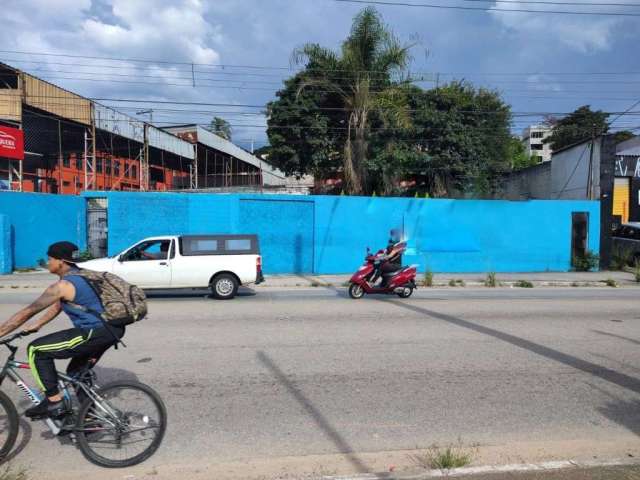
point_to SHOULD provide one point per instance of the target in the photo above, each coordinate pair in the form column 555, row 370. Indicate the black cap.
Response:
column 65, row 251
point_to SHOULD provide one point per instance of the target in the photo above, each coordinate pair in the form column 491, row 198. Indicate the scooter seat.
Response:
column 392, row 273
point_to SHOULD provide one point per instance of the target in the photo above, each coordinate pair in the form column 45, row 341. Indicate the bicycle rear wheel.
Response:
column 124, row 428
column 9, row 425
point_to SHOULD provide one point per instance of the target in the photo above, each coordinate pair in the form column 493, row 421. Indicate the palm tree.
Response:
column 220, row 127
column 367, row 77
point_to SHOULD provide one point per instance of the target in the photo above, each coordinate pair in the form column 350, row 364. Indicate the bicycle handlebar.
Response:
column 10, row 339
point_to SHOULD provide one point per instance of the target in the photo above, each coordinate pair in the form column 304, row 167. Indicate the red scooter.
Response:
column 401, row 282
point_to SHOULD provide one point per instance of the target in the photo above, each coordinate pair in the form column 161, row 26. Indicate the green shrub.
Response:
column 428, row 278
column 491, row 281
column 524, row 284
column 587, row 262
column 85, row 256
column 621, row 257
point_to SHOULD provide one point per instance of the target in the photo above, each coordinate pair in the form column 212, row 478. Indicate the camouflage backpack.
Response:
column 123, row 303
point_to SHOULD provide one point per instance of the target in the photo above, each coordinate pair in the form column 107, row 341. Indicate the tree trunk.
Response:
column 351, row 180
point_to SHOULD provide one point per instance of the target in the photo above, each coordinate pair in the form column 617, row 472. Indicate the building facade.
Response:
column 533, row 138
column 69, row 144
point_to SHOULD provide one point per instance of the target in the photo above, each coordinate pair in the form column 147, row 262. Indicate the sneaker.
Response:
column 47, row 409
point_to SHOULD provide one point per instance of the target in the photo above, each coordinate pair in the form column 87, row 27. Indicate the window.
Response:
column 79, row 165
column 536, row 146
column 116, row 168
column 536, row 158
column 107, row 166
column 199, row 245
column 66, row 184
column 134, row 171
column 66, row 160
column 127, row 170
column 150, row 250
column 238, row 244
column 99, row 165
column 537, row 135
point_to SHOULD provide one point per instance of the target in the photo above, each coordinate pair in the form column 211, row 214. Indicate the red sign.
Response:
column 11, row 143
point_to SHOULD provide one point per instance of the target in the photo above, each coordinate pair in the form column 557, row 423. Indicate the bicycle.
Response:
column 97, row 418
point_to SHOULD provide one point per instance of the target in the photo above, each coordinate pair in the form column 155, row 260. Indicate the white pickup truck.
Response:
column 219, row 262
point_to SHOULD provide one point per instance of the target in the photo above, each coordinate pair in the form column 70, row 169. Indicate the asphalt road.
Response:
column 308, row 380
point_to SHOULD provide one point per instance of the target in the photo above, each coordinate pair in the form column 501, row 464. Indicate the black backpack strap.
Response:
column 104, row 322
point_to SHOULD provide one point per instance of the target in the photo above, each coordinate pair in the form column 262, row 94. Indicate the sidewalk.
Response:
column 544, row 279
column 41, row 279
column 564, row 470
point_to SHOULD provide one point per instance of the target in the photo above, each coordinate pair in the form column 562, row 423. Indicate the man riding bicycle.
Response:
column 84, row 344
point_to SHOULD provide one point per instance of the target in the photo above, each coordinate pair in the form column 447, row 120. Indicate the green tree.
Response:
column 518, row 155
column 577, row 127
column 364, row 77
column 623, row 136
column 220, row 127
column 303, row 127
column 462, row 138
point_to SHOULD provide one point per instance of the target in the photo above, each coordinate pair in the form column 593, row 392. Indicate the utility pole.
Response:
column 590, row 176
column 144, row 112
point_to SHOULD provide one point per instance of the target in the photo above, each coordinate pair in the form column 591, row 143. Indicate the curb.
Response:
column 487, row 469
column 503, row 285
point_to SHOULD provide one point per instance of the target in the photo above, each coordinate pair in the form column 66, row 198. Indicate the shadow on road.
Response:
column 604, row 373
column 192, row 294
column 619, row 337
column 25, row 437
column 341, row 444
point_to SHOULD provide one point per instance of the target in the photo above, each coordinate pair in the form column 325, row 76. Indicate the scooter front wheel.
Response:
column 406, row 292
column 356, row 291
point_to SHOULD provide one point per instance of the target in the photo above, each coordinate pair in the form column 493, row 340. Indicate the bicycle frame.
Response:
column 10, row 371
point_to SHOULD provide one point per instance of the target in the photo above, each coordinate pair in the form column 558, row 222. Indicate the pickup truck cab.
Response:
column 219, row 262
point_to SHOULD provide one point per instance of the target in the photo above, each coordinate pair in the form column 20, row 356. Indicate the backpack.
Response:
column 123, row 303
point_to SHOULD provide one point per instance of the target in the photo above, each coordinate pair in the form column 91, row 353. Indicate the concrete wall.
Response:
column 570, row 172
column 528, row 184
column 37, row 220
column 329, row 234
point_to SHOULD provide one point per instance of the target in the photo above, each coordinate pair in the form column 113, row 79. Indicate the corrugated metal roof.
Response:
column 271, row 175
column 118, row 123
column 629, row 152
column 170, row 143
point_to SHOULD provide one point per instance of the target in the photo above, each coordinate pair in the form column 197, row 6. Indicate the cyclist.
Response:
column 84, row 344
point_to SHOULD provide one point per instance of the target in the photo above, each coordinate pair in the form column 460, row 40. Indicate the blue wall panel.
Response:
column 134, row 216
column 37, row 220
column 285, row 230
column 324, row 234
column 6, row 251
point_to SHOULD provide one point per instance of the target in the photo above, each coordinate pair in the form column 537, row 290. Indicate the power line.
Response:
column 488, row 9
column 222, row 67
column 70, row 101
column 580, row 4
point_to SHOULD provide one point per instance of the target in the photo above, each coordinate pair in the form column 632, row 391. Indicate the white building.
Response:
column 532, row 138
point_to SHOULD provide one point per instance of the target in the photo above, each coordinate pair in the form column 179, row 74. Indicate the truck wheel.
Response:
column 224, row 286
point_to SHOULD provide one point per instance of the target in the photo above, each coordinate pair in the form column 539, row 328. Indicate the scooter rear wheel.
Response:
column 356, row 291
column 406, row 292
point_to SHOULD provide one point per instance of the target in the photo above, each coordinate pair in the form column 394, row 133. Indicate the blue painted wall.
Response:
column 322, row 234
column 6, row 252
column 37, row 220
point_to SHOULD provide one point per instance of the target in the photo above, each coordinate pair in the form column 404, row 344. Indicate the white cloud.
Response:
column 582, row 33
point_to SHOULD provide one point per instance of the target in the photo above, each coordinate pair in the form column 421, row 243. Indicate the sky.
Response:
column 239, row 51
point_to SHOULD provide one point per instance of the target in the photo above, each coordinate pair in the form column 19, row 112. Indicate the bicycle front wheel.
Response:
column 124, row 428
column 9, row 425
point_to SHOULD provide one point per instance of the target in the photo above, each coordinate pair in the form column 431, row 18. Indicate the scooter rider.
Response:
column 392, row 259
